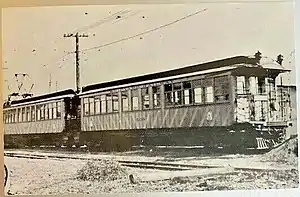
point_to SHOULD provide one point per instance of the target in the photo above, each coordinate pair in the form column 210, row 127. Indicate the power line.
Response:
column 99, row 22
column 124, row 17
column 145, row 32
column 93, row 25
column 57, row 59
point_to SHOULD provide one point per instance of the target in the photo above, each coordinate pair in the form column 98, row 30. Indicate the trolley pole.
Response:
column 50, row 82
column 77, row 36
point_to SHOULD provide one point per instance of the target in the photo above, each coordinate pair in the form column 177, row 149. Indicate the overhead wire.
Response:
column 99, row 22
column 117, row 15
column 93, row 25
column 123, row 18
column 145, row 32
column 108, row 19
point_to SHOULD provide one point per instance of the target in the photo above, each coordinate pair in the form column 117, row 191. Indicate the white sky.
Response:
column 224, row 30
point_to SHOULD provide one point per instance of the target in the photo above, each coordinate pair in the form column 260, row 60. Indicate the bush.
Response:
column 105, row 170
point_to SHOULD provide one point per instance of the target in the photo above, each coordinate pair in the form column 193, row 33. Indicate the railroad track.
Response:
column 161, row 149
column 134, row 164
column 45, row 154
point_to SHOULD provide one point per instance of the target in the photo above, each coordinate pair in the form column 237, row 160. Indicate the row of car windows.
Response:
column 194, row 92
column 38, row 112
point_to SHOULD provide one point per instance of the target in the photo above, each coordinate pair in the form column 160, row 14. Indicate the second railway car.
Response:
column 229, row 104
column 226, row 104
column 44, row 120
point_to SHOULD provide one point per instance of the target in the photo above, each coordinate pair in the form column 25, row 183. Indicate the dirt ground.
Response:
column 279, row 170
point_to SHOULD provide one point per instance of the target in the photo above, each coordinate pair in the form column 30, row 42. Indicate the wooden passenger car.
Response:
column 230, row 104
column 199, row 105
column 36, row 121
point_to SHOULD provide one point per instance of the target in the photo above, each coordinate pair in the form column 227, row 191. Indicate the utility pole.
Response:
column 77, row 36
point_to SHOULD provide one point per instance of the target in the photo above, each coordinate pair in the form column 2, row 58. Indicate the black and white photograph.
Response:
column 149, row 98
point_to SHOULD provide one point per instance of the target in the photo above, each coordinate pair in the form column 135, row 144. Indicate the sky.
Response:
column 34, row 43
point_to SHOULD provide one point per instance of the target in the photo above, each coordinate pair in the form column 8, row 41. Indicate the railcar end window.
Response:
column 115, row 98
column 178, row 99
column 8, row 119
column 135, row 99
column 28, row 116
column 135, row 103
column 4, row 116
column 92, row 106
column 109, row 103
column 86, row 106
column 19, row 115
column 187, row 97
column 16, row 115
column 97, row 105
column 38, row 112
column 125, row 102
column 58, row 110
column 54, row 110
column 169, row 97
column 209, row 92
column 103, row 104
column 50, row 110
column 47, row 111
column 198, row 95
column 261, row 85
column 221, row 91
column 43, row 112
column 187, row 93
column 241, row 85
column 32, row 113
column 145, row 98
column 8, row 116
column 13, row 115
column 156, row 96
column 198, row 91
column 23, row 115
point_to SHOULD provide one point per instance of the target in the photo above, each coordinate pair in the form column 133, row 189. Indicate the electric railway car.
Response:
column 226, row 104
column 45, row 120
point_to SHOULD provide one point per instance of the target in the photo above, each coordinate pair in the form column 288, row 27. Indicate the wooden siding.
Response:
column 46, row 126
column 191, row 116
column 37, row 127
